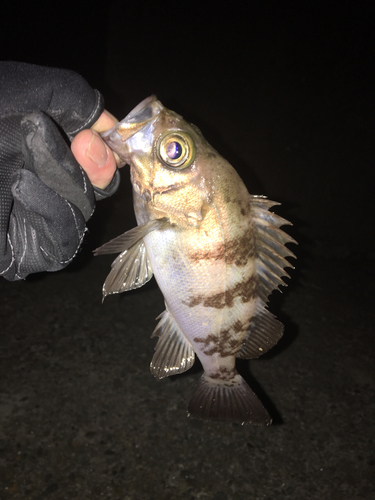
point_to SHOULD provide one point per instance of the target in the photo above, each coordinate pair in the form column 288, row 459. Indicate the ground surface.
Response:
column 82, row 417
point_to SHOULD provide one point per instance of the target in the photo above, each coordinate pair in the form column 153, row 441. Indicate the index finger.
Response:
column 105, row 121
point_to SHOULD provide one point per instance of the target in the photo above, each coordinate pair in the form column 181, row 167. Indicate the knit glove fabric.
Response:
column 45, row 196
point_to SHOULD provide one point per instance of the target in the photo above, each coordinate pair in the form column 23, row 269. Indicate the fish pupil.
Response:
column 174, row 150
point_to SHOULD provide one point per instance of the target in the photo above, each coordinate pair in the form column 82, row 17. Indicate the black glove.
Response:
column 45, row 196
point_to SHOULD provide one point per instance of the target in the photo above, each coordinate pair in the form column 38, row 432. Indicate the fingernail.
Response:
column 97, row 150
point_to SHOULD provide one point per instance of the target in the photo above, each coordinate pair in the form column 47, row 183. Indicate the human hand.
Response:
column 45, row 196
column 93, row 154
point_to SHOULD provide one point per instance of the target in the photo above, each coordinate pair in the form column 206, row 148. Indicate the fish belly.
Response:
column 210, row 298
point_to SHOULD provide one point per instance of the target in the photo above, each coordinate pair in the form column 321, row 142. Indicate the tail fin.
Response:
column 232, row 401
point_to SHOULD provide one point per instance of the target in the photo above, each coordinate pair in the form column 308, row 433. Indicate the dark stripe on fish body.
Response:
column 238, row 251
column 227, row 343
column 246, row 290
column 223, row 373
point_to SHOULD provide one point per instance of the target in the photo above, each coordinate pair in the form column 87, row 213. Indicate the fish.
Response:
column 217, row 253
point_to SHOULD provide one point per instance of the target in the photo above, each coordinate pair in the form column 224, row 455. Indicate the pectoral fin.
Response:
column 131, row 269
column 173, row 353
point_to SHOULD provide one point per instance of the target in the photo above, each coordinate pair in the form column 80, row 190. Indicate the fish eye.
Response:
column 176, row 149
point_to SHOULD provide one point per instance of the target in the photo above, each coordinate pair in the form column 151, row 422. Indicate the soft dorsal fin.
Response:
column 265, row 331
column 173, row 352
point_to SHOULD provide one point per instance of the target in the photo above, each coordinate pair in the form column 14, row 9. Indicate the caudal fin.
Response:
column 232, row 401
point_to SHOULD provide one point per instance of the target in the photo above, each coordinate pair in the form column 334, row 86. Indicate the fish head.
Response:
column 170, row 161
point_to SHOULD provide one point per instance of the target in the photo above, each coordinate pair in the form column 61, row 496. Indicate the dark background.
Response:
column 282, row 89
column 285, row 92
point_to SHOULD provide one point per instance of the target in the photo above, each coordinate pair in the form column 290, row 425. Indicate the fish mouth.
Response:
column 116, row 138
column 142, row 114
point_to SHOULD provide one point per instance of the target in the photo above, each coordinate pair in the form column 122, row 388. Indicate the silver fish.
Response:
column 217, row 253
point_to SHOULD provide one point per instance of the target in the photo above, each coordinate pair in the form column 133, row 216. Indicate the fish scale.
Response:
column 216, row 252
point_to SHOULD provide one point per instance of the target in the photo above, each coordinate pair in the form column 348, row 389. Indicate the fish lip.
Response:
column 143, row 104
column 112, row 138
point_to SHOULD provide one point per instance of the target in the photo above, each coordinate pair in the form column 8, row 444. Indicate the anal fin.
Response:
column 230, row 401
column 265, row 332
column 173, row 352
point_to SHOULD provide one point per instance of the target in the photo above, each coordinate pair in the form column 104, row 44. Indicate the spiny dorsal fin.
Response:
column 173, row 353
column 265, row 330
column 271, row 249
